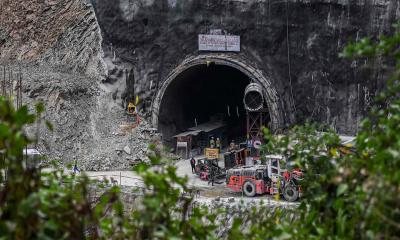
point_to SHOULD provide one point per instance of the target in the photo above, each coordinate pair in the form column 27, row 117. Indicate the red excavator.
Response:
column 269, row 178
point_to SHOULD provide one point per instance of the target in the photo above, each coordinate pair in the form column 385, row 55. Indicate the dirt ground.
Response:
column 205, row 193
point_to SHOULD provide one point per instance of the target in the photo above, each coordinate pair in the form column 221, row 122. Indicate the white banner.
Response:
column 181, row 144
column 221, row 43
column 233, row 43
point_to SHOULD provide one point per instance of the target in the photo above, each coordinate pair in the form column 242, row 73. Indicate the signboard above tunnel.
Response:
column 219, row 43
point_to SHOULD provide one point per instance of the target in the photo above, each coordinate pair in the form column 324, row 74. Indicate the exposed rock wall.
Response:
column 58, row 46
column 297, row 43
column 52, row 32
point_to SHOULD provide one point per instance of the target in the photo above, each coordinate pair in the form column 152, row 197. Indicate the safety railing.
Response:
column 114, row 179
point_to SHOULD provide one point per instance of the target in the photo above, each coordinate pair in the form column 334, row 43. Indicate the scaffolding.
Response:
column 255, row 122
column 11, row 85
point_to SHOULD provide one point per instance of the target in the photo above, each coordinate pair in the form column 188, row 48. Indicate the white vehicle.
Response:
column 31, row 159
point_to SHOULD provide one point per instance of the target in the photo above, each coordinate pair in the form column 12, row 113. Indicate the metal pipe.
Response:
column 253, row 97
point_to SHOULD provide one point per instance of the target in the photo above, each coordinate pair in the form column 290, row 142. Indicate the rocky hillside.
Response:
column 54, row 32
column 58, row 46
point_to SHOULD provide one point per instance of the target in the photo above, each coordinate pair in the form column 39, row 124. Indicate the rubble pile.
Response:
column 122, row 149
column 241, row 208
column 86, row 119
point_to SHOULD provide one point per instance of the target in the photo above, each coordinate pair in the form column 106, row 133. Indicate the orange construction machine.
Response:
column 269, row 178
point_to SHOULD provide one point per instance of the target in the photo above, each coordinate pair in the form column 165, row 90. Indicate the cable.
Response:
column 288, row 55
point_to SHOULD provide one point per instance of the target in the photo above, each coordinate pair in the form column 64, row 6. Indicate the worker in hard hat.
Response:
column 218, row 144
column 212, row 142
column 232, row 146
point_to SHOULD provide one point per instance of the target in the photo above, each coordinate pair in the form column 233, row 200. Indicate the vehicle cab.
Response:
column 269, row 178
column 250, row 179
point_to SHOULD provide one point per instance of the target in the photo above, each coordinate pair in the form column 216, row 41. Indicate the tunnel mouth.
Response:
column 205, row 94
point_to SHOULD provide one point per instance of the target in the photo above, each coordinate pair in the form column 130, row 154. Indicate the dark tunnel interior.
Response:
column 204, row 93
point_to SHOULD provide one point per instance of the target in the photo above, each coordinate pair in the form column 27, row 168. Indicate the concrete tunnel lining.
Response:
column 253, row 74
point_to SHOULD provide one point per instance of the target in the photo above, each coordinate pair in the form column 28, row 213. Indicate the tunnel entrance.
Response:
column 201, row 94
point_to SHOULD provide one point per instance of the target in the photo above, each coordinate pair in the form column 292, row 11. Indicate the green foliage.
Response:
column 165, row 213
column 374, row 176
column 385, row 46
column 350, row 193
column 14, row 193
column 55, row 205
column 35, row 204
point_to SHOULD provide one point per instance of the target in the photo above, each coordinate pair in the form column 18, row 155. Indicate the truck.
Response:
column 266, row 179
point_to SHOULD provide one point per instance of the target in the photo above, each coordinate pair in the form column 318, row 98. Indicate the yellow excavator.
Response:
column 133, row 118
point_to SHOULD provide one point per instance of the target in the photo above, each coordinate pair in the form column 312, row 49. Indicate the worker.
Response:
column 249, row 143
column 232, row 146
column 193, row 164
column 218, row 144
column 76, row 169
column 212, row 142
column 211, row 176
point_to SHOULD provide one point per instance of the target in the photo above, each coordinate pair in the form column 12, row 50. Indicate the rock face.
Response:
column 295, row 43
column 87, row 121
column 58, row 47
column 52, row 32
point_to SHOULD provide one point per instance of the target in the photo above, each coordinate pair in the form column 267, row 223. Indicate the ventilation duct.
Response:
column 253, row 97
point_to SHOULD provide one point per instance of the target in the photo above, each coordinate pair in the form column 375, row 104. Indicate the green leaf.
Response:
column 39, row 108
column 49, row 125
column 341, row 189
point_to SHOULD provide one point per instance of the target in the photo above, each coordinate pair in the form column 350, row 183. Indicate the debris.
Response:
column 127, row 150
column 134, row 162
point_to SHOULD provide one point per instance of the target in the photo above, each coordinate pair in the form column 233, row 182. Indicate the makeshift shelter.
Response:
column 216, row 129
column 196, row 139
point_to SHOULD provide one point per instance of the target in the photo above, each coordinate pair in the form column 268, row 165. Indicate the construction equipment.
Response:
column 133, row 118
column 269, row 178
column 204, row 167
column 236, row 158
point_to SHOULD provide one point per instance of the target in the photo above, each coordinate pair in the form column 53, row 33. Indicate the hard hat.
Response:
column 274, row 178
